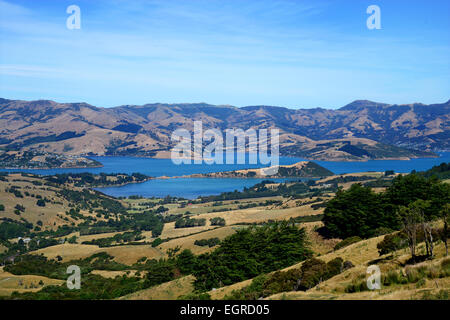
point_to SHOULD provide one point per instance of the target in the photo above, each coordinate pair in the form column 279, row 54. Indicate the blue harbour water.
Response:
column 194, row 187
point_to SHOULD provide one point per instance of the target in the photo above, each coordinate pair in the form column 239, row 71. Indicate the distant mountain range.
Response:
column 360, row 130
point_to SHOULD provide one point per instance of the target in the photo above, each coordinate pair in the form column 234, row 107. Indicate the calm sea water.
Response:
column 192, row 188
column 189, row 188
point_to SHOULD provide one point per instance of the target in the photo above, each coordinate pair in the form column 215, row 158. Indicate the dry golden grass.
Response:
column 68, row 251
column 334, row 288
column 188, row 241
column 23, row 283
column 358, row 253
column 52, row 215
column 33, row 213
column 375, row 175
column 251, row 215
column 90, row 237
column 170, row 231
column 220, row 293
column 259, row 214
column 318, row 244
column 326, row 291
column 123, row 254
column 81, row 239
column 208, row 207
column 166, row 291
column 131, row 254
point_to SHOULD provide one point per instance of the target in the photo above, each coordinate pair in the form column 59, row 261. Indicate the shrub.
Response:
column 19, row 208
column 334, row 267
column 313, row 272
column 357, row 286
column 218, row 221
column 72, row 240
column 282, row 281
column 420, row 283
column 445, row 265
column 347, row 265
column 413, row 275
column 392, row 242
column 40, row 203
column 156, row 242
column 441, row 295
column 394, row 277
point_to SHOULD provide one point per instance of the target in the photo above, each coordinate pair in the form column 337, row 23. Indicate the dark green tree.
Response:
column 185, row 261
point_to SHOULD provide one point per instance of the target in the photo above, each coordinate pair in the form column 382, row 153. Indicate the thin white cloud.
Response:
column 8, row 9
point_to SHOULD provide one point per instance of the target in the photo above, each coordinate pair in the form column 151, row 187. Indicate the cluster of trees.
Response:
column 399, row 240
column 217, row 221
column 18, row 209
column 61, row 231
column 186, row 222
column 411, row 204
column 3, row 176
column 12, row 229
column 14, row 190
column 143, row 221
column 207, row 242
column 116, row 239
column 441, row 171
column 311, row 169
column 89, row 199
column 359, row 211
column 250, row 252
column 97, row 287
column 92, row 286
column 415, row 221
column 53, row 268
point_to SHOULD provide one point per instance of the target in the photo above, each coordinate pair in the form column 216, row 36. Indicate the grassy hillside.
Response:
column 273, row 241
column 361, row 130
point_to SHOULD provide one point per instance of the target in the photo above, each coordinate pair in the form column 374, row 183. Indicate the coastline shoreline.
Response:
column 167, row 158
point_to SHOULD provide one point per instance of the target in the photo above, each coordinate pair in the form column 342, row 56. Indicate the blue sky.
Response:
column 297, row 54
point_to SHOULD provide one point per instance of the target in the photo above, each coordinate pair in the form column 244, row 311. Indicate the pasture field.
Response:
column 127, row 254
column 171, row 290
column 23, row 283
